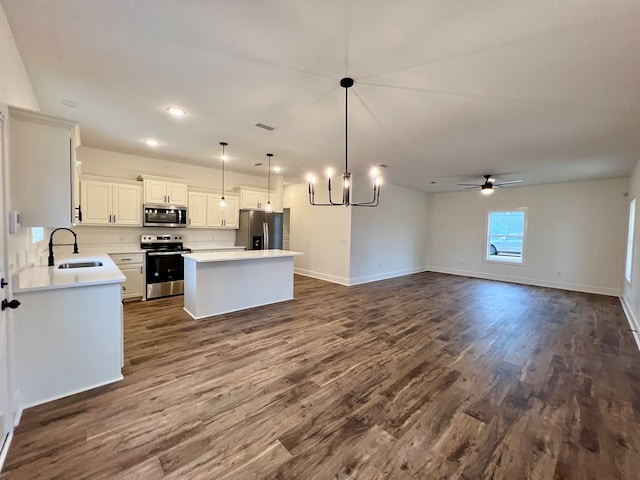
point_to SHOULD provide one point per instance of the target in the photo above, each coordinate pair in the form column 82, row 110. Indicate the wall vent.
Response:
column 265, row 127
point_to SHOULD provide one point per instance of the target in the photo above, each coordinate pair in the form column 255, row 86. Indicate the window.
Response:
column 37, row 234
column 505, row 236
column 632, row 224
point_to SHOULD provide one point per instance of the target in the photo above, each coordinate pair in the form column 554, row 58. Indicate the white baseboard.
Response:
column 5, row 449
column 613, row 292
column 322, row 276
column 631, row 318
column 386, row 275
column 80, row 390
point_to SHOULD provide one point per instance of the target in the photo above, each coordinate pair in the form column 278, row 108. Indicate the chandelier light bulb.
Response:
column 374, row 172
column 330, row 172
column 311, row 179
column 378, row 181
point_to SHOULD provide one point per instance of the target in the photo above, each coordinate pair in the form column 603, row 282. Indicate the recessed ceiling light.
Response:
column 277, row 169
column 152, row 142
column 176, row 111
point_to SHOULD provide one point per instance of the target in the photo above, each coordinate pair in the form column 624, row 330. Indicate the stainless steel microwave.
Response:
column 164, row 216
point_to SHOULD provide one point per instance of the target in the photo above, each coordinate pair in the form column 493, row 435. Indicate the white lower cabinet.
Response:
column 132, row 267
column 68, row 340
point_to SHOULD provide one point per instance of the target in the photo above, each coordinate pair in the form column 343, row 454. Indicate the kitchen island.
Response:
column 223, row 282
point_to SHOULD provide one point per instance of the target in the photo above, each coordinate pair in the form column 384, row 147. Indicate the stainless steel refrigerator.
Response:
column 259, row 230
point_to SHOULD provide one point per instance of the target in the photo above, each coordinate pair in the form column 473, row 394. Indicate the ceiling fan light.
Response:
column 486, row 189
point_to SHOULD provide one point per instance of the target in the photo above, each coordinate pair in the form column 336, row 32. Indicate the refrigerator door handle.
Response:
column 265, row 232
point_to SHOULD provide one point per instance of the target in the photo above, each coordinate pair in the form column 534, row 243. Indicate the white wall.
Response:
column 356, row 244
column 631, row 291
column 106, row 163
column 321, row 233
column 15, row 89
column 391, row 239
column 575, row 234
column 15, row 86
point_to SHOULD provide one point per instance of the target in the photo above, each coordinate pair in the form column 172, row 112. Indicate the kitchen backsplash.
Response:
column 96, row 237
column 23, row 250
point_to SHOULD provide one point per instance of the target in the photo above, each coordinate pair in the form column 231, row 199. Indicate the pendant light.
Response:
column 223, row 202
column 345, row 83
column 269, row 208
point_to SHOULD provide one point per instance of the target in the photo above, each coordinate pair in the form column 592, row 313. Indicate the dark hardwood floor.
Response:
column 427, row 376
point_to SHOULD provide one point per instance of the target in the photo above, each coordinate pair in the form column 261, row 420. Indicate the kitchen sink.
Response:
column 80, row 264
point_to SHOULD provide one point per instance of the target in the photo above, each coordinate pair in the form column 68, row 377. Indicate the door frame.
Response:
column 11, row 419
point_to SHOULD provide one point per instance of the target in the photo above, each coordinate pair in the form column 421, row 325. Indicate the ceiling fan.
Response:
column 489, row 184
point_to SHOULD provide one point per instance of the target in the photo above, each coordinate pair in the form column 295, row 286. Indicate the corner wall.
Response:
column 575, row 234
column 391, row 239
column 321, row 233
column 631, row 291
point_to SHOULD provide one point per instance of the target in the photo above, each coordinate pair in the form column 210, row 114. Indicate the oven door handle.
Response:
column 180, row 252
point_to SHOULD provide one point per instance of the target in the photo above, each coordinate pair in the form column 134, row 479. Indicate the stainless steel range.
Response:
column 165, row 265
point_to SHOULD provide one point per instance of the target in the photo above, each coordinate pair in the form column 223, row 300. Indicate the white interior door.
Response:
column 6, row 423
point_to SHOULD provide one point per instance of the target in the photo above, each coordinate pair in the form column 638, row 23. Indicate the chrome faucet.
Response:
column 51, row 245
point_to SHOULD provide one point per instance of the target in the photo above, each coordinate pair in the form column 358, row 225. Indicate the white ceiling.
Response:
column 445, row 91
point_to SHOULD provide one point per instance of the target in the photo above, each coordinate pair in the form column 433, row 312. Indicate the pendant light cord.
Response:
column 346, row 130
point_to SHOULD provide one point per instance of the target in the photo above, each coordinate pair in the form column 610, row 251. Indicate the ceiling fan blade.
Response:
column 469, row 185
column 499, row 184
column 474, row 187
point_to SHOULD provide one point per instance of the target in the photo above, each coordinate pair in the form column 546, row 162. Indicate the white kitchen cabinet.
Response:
column 68, row 340
column 222, row 217
column 253, row 199
column 231, row 214
column 197, row 210
column 159, row 191
column 205, row 210
column 110, row 203
column 132, row 267
column 42, row 166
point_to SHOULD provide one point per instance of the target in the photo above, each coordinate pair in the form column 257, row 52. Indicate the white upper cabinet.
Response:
column 110, row 203
column 197, row 210
column 255, row 199
column 42, row 168
column 160, row 191
column 205, row 211
column 231, row 213
column 127, row 204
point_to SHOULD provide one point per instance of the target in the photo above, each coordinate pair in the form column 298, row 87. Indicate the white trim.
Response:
column 386, row 275
column 614, row 292
column 68, row 394
column 322, row 276
column 631, row 318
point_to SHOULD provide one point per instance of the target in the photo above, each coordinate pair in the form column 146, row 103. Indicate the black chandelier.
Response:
column 345, row 83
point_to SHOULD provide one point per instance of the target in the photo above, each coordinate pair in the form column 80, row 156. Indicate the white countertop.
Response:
column 238, row 255
column 48, row 278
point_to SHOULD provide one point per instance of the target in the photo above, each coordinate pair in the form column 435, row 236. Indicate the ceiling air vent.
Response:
column 265, row 127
